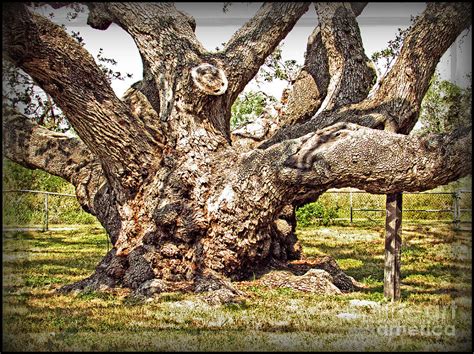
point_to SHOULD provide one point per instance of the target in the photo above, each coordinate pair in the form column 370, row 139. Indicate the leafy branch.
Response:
column 277, row 68
column 386, row 57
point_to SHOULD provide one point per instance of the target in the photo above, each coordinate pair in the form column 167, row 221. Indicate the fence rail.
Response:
column 37, row 192
column 455, row 207
column 33, row 209
column 41, row 209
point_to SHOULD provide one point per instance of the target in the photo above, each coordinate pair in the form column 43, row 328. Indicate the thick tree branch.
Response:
column 165, row 39
column 310, row 87
column 395, row 105
column 35, row 147
column 246, row 51
column 349, row 155
column 68, row 73
column 348, row 66
column 171, row 56
column 403, row 88
column 364, row 116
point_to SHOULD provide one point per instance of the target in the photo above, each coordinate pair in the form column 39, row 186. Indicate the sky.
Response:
column 379, row 23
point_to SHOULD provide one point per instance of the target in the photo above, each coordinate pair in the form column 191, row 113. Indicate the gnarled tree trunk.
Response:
column 182, row 204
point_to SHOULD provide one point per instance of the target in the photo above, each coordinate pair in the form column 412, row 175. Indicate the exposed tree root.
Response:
column 320, row 276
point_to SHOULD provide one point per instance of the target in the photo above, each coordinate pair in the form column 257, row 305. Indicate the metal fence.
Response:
column 44, row 210
column 358, row 205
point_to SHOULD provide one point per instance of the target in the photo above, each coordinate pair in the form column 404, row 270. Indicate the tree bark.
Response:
column 184, row 208
column 348, row 66
column 396, row 103
column 250, row 45
column 310, row 87
column 403, row 88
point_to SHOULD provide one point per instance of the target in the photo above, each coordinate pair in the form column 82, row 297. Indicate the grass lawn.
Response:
column 434, row 313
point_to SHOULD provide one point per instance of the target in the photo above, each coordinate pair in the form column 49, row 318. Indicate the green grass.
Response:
column 434, row 314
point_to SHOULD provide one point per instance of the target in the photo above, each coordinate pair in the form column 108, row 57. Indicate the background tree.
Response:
column 184, row 205
column 248, row 106
column 251, row 104
column 446, row 107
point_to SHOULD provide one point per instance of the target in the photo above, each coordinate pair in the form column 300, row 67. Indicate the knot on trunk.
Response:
column 209, row 79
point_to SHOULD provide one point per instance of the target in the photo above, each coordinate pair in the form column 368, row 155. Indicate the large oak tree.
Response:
column 180, row 198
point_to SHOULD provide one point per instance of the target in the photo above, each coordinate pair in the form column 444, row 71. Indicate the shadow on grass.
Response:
column 425, row 271
column 371, row 266
column 65, row 243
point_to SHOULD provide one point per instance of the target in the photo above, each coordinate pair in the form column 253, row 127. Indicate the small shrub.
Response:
column 316, row 214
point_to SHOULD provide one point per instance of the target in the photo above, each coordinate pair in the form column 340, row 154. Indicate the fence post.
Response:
column 46, row 210
column 350, row 199
column 393, row 241
column 456, row 210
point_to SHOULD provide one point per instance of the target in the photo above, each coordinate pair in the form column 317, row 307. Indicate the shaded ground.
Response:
column 434, row 314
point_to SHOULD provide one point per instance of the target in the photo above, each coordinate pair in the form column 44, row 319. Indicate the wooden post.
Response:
column 393, row 241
